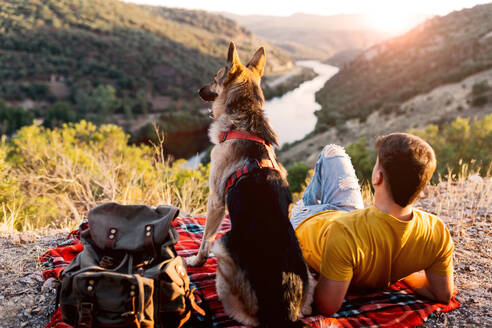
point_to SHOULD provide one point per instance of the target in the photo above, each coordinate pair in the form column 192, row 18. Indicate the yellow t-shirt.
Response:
column 373, row 248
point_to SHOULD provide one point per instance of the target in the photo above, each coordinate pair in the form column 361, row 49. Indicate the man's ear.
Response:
column 377, row 177
column 257, row 62
column 232, row 57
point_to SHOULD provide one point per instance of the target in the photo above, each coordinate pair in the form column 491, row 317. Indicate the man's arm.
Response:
column 430, row 285
column 329, row 295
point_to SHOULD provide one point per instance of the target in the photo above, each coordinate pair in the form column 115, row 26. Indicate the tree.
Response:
column 58, row 114
column 101, row 101
column 12, row 118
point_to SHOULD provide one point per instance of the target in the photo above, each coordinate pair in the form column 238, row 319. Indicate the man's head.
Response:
column 404, row 165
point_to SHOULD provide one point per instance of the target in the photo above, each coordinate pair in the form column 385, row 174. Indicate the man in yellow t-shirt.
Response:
column 352, row 246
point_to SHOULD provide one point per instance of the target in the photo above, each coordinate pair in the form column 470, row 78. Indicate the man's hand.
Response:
column 430, row 285
column 329, row 295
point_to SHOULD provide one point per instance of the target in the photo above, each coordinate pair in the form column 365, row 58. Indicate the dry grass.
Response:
column 463, row 201
column 55, row 177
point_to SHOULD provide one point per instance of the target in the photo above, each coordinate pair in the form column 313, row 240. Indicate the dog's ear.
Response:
column 257, row 62
column 232, row 57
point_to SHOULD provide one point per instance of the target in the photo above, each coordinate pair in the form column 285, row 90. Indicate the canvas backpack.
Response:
column 129, row 274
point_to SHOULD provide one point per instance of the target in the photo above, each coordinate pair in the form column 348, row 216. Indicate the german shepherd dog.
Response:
column 262, row 279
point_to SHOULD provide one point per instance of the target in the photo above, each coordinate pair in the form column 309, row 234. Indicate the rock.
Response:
column 443, row 185
column 28, row 237
column 39, row 299
column 14, row 239
column 475, row 178
column 36, row 310
column 33, row 278
column 49, row 285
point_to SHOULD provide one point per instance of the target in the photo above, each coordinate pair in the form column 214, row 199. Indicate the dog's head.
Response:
column 236, row 86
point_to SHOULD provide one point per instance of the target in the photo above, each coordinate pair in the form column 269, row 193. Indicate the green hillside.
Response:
column 53, row 49
column 441, row 50
column 109, row 61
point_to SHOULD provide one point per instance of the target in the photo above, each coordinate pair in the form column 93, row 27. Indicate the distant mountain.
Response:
column 439, row 51
column 53, row 49
column 343, row 57
column 312, row 36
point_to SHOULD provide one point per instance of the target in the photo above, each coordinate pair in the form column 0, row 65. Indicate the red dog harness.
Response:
column 271, row 162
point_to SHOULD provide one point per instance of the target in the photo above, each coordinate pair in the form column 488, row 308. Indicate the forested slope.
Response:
column 83, row 44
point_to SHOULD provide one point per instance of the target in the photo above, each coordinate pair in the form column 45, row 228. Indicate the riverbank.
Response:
column 277, row 86
column 292, row 115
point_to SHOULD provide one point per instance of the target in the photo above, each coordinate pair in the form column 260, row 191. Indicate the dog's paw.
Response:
column 195, row 260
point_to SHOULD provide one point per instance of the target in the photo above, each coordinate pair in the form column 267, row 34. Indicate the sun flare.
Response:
column 393, row 22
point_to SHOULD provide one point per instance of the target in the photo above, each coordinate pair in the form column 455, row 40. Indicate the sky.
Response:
column 286, row 7
column 386, row 15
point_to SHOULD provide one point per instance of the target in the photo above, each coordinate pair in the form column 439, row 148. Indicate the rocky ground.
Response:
column 26, row 300
column 466, row 207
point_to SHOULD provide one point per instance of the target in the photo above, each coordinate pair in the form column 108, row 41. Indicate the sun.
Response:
column 393, row 22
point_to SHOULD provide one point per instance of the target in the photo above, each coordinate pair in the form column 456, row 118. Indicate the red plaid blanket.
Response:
column 396, row 306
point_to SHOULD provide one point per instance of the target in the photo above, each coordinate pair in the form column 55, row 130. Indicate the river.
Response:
column 292, row 115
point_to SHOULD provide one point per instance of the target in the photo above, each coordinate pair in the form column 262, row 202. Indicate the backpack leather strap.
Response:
column 86, row 317
column 111, row 238
column 86, row 308
column 149, row 240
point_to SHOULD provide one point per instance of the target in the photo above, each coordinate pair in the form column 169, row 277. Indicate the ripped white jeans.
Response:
column 334, row 186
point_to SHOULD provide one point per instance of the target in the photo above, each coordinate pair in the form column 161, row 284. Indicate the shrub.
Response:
column 297, row 174
column 363, row 158
column 462, row 140
column 479, row 93
column 480, row 101
column 480, row 88
column 53, row 177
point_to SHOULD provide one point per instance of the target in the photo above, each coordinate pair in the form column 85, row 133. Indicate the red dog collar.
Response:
column 240, row 135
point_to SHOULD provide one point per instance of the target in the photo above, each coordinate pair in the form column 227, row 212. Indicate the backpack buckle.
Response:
column 127, row 314
column 86, row 307
column 106, row 262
